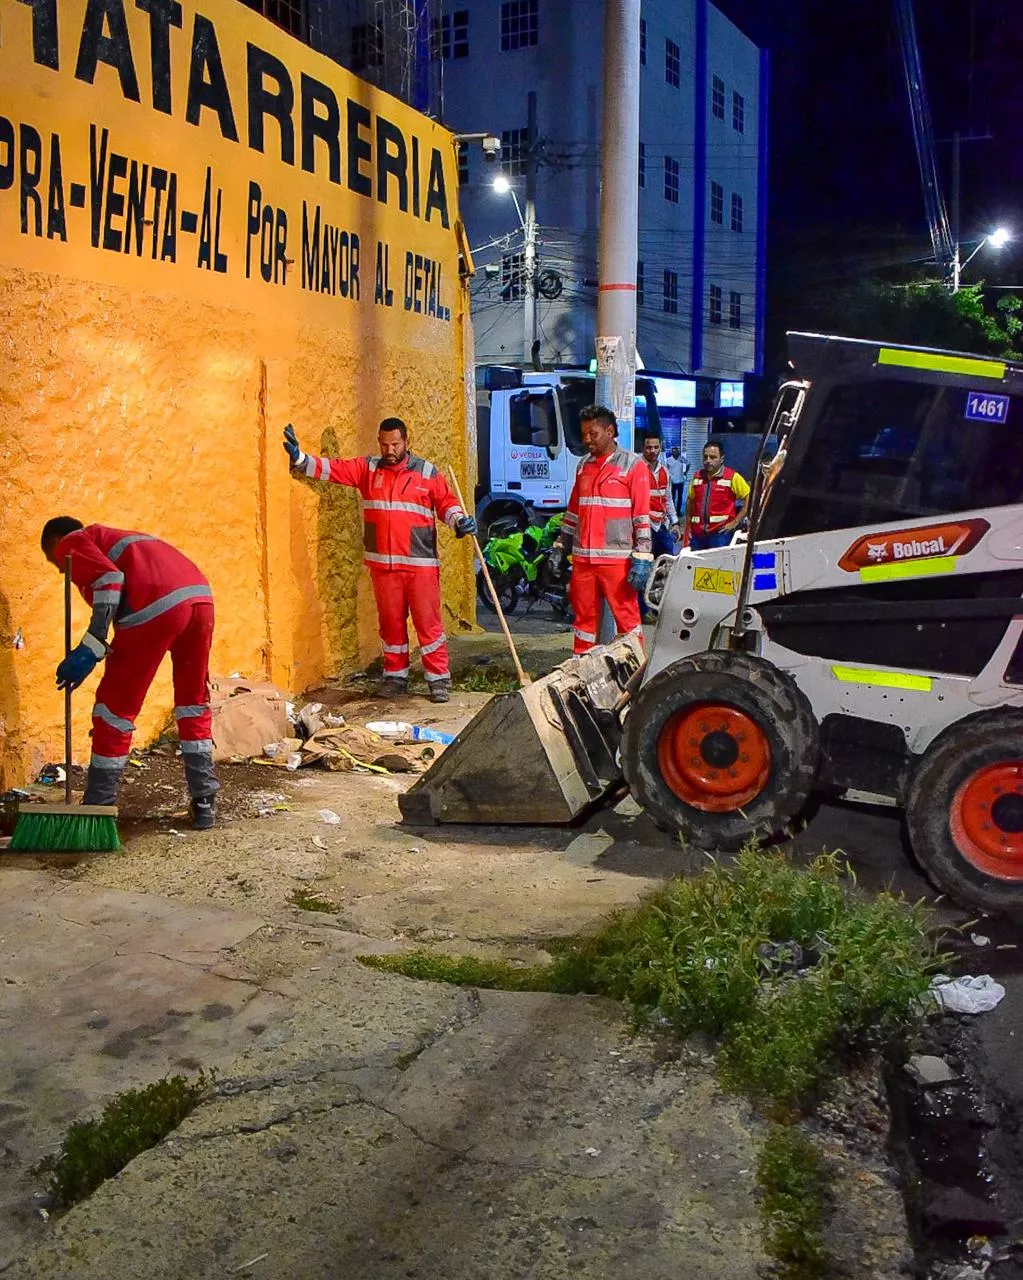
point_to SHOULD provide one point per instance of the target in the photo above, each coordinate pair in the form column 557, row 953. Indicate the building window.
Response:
column 717, row 98
column 736, row 212
column 715, row 304
column 642, row 164
column 738, row 112
column 514, row 152
column 367, row 47
column 640, row 285
column 717, row 202
column 670, row 303
column 670, row 180
column 463, row 163
column 672, row 63
column 512, row 272
column 450, row 36
column 520, row 24
column 642, row 42
column 289, row 14
column 734, row 310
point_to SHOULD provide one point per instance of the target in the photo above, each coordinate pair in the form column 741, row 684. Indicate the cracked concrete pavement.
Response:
column 393, row 1128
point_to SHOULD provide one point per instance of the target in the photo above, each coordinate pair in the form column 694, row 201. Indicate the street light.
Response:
column 502, row 187
column 997, row 239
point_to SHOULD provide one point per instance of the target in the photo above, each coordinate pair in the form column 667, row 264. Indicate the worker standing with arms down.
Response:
column 716, row 500
column 663, row 516
column 678, row 469
column 606, row 529
column 159, row 603
column 402, row 496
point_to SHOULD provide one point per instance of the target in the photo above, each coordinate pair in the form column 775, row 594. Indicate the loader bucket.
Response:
column 537, row 756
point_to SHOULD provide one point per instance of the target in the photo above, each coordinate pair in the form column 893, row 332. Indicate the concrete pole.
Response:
column 529, row 227
column 619, row 228
column 619, row 216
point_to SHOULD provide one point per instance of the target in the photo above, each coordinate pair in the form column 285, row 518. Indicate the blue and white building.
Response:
column 702, row 178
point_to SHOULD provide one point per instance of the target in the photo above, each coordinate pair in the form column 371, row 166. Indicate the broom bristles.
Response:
column 64, row 833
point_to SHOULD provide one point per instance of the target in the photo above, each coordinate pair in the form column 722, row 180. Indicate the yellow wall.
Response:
column 150, row 394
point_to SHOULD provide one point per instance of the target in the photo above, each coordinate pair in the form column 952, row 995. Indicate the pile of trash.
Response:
column 253, row 721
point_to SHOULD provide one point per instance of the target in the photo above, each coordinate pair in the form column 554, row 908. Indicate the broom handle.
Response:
column 522, row 677
column 67, row 692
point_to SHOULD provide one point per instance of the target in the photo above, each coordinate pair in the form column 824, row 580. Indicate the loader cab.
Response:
column 888, row 434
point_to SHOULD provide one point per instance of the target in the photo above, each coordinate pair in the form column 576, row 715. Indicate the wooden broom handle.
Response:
column 67, row 692
column 522, row 677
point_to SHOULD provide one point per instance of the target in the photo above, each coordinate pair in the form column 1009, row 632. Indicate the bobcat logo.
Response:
column 877, row 551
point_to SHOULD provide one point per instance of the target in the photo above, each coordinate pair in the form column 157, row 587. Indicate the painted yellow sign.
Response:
column 161, row 145
column 720, row 581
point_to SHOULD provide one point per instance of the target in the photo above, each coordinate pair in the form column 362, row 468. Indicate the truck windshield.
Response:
column 886, row 450
column 577, row 393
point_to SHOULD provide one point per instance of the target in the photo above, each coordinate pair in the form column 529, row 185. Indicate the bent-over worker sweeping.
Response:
column 402, row 497
column 158, row 602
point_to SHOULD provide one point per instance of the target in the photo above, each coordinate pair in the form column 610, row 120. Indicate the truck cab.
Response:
column 529, row 440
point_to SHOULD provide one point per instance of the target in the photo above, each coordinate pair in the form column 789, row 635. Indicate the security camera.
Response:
column 491, row 146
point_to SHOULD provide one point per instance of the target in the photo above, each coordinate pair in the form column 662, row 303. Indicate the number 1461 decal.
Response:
column 987, row 408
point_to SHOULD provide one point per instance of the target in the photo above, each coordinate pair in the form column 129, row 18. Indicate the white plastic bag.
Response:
column 966, row 994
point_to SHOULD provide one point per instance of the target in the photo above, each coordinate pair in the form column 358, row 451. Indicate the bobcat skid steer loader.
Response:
column 867, row 640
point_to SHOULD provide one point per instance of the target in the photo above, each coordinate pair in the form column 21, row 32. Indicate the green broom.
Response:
column 67, row 827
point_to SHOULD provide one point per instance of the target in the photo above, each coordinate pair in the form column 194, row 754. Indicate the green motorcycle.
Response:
column 519, row 569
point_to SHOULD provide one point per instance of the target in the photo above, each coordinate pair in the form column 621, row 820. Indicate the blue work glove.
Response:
column 639, row 572
column 76, row 667
column 295, row 454
column 465, row 526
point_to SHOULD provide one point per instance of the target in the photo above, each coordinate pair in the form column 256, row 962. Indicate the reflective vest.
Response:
column 138, row 577
column 658, row 496
column 723, row 504
column 399, row 506
column 608, row 516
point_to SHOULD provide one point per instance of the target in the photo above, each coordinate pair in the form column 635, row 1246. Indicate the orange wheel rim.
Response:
column 714, row 757
column 986, row 819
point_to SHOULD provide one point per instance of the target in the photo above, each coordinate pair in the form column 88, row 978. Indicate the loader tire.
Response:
column 964, row 810
column 721, row 747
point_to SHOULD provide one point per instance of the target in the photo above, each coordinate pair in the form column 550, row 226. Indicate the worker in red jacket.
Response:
column 607, row 530
column 158, row 603
column 402, row 496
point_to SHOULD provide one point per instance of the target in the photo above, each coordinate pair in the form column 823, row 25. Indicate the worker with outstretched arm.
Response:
column 402, row 497
column 607, row 531
column 158, row 603
column 716, row 502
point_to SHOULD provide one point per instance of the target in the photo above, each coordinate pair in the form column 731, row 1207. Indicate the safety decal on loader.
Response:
column 878, row 557
column 721, row 581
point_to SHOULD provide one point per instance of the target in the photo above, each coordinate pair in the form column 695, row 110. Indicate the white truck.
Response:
column 529, row 442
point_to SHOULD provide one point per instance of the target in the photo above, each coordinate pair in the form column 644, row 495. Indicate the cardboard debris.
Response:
column 342, row 749
column 247, row 714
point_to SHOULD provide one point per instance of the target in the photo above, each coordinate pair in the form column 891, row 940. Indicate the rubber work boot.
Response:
column 392, row 687
column 440, row 690
column 204, row 813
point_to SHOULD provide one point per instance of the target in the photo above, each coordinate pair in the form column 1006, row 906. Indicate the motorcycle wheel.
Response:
column 506, row 586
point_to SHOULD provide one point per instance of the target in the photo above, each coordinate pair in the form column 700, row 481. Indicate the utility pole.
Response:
column 529, row 229
column 619, row 229
column 619, row 216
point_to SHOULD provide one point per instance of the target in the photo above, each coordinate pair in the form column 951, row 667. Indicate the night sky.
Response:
column 842, row 151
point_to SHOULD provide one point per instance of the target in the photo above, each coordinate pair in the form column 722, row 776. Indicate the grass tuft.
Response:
column 491, row 678
column 132, row 1122
column 794, row 1181
column 310, row 902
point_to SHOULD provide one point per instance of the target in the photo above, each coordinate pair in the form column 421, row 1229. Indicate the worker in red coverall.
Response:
column 159, row 603
column 402, row 496
column 607, row 530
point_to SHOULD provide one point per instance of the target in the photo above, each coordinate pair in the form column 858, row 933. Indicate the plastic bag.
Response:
column 967, row 994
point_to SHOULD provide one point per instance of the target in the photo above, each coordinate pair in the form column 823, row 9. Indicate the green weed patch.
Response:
column 132, row 1122
column 794, row 1182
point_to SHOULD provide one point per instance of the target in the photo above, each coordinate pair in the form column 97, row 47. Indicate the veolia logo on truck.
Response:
column 954, row 538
